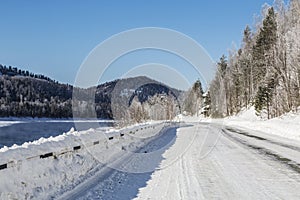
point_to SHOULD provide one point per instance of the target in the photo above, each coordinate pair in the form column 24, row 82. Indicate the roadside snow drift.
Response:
column 287, row 126
column 46, row 168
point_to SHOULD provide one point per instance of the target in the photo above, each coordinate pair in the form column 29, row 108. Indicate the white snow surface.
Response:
column 287, row 126
column 239, row 157
column 208, row 161
column 28, row 176
column 204, row 162
column 219, row 167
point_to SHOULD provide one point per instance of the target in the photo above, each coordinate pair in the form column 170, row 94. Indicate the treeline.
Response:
column 265, row 71
column 14, row 71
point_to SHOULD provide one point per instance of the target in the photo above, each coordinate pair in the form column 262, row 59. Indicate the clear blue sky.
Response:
column 53, row 37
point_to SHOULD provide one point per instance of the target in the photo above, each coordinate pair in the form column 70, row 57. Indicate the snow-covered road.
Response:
column 204, row 161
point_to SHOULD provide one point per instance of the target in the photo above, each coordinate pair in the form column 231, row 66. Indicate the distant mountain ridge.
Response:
column 25, row 94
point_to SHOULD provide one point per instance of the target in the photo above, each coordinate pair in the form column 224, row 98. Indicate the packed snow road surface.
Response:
column 203, row 161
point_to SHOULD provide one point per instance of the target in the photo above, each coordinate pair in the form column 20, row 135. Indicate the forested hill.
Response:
column 25, row 94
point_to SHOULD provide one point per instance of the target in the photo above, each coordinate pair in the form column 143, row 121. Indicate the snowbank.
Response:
column 45, row 168
column 287, row 126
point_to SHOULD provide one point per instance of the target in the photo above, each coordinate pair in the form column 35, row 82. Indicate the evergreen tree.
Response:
column 264, row 59
column 206, row 110
column 222, row 66
column 193, row 101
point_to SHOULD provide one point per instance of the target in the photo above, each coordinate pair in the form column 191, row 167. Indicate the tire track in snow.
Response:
column 230, row 171
column 114, row 184
column 267, row 151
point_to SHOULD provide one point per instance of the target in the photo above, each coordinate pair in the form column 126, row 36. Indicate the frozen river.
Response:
column 12, row 132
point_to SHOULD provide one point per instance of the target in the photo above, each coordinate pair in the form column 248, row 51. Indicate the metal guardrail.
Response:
column 72, row 149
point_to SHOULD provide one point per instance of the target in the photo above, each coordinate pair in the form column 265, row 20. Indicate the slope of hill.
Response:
column 25, row 94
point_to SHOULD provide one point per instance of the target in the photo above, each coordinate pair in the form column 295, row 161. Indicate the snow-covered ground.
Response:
column 45, row 168
column 205, row 161
column 241, row 157
column 231, row 169
column 211, row 161
column 287, row 126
